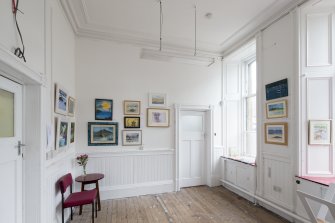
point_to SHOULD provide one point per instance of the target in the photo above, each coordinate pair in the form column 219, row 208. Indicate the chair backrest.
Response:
column 64, row 182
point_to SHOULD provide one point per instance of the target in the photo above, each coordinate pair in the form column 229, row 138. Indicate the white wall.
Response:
column 50, row 50
column 112, row 71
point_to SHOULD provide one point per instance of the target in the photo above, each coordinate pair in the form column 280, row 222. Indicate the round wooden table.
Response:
column 91, row 178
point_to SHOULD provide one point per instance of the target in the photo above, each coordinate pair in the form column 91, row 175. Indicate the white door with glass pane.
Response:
column 192, row 152
column 10, row 154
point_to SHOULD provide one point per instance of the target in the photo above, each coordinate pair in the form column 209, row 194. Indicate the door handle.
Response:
column 19, row 147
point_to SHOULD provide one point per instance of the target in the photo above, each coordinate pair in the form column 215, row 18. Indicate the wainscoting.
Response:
column 133, row 172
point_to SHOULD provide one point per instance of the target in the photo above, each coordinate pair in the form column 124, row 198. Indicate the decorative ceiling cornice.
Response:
column 84, row 27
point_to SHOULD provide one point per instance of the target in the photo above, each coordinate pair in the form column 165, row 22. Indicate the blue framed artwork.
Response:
column 103, row 109
column 276, row 89
column 103, row 133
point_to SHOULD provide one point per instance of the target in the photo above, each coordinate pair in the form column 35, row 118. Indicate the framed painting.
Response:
column 157, row 100
column 276, row 109
column 72, row 132
column 131, row 137
column 157, row 117
column 103, row 109
column 61, row 100
column 103, row 133
column 132, row 107
column 62, row 128
column 276, row 89
column 71, row 106
column 276, row 133
column 319, row 132
column 132, row 122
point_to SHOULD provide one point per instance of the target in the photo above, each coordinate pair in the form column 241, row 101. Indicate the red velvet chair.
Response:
column 77, row 198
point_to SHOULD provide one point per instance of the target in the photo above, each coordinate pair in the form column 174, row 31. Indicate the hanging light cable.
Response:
column 175, row 56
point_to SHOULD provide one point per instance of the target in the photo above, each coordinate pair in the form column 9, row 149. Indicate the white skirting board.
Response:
column 123, row 191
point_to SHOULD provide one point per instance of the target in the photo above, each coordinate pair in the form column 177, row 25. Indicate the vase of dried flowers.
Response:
column 82, row 161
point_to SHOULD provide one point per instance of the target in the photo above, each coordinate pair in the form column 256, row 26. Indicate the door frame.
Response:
column 208, row 164
column 33, row 84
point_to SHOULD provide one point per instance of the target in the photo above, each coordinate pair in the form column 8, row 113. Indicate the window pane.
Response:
column 6, row 114
column 251, row 144
column 251, row 114
column 252, row 78
column 192, row 123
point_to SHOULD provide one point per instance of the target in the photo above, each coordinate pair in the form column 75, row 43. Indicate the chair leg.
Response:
column 62, row 215
column 93, row 212
column 96, row 208
column 71, row 214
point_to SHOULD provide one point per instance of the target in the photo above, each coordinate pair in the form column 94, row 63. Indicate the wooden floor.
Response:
column 195, row 204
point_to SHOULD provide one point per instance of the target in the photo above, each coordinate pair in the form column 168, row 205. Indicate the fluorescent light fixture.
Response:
column 176, row 57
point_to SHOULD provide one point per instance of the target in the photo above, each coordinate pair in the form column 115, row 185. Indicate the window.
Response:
column 249, row 112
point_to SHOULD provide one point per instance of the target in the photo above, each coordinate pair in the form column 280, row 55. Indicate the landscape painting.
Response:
column 158, row 117
column 277, row 109
column 132, row 107
column 102, row 133
column 132, row 138
column 157, row 100
column 61, row 100
column 103, row 109
column 276, row 133
column 319, row 132
column 72, row 132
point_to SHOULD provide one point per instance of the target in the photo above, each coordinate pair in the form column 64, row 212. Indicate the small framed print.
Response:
column 131, row 137
column 276, row 89
column 72, row 131
column 276, row 109
column 319, row 132
column 276, row 133
column 71, row 106
column 103, row 109
column 61, row 100
column 103, row 133
column 62, row 138
column 132, row 122
column 157, row 117
column 132, row 107
column 157, row 100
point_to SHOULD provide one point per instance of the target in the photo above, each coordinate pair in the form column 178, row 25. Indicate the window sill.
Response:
column 319, row 180
column 243, row 159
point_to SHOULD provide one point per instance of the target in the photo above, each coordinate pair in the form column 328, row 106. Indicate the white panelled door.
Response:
column 192, row 155
column 10, row 154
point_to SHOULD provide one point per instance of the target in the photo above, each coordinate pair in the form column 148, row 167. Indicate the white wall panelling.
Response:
column 133, row 173
column 317, row 83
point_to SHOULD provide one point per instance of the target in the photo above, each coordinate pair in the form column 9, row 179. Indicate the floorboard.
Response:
column 190, row 205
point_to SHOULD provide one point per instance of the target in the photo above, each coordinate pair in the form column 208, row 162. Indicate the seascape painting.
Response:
column 157, row 100
column 276, row 133
column 61, row 100
column 102, row 133
column 132, row 107
column 277, row 109
column 103, row 109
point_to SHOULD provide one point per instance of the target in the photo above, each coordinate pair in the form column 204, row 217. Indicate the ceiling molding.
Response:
column 84, row 27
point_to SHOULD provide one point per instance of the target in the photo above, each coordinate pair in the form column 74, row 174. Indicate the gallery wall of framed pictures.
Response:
column 276, row 108
column 65, row 109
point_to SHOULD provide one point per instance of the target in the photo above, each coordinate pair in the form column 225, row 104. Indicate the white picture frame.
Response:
column 158, row 117
column 61, row 100
column 71, row 106
column 62, row 134
column 132, row 137
column 157, row 100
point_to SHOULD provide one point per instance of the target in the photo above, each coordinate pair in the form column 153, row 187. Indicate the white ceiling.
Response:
column 137, row 21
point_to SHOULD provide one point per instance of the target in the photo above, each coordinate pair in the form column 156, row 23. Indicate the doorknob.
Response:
column 19, row 147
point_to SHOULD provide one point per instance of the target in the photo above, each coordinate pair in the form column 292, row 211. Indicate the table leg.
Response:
column 81, row 207
column 97, row 186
